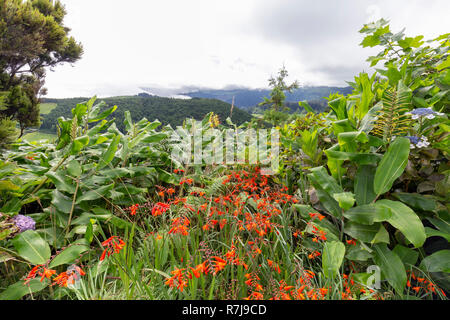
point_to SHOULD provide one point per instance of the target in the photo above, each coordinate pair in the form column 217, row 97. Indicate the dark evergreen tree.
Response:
column 32, row 38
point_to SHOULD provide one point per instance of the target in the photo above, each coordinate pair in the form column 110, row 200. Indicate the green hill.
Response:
column 166, row 110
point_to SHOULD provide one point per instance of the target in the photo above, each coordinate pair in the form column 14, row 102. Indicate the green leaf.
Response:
column 331, row 205
column 128, row 121
column 346, row 200
column 444, row 64
column 89, row 235
column 95, row 193
column 85, row 218
column 70, row 254
column 120, row 223
column 8, row 186
column 154, row 137
column 78, row 144
column 359, row 158
column 436, row 233
column 109, row 154
column 371, row 41
column 95, row 117
column 410, row 42
column 357, row 253
column 405, row 219
column 61, row 202
column 19, row 289
column 332, row 257
column 391, row 266
column 442, row 225
column 30, row 246
column 393, row 75
column 407, row 255
column 368, row 214
column 437, row 262
column 325, row 181
column 381, row 236
column 61, row 182
column 74, row 168
column 306, row 105
column 416, row 201
column 444, row 77
column 392, row 165
column 79, row 111
column 365, row 233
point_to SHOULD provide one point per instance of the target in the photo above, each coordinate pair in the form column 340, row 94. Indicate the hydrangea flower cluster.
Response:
column 419, row 142
column 24, row 223
column 424, row 112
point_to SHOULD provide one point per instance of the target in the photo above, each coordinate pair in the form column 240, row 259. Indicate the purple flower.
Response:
column 424, row 112
column 419, row 142
column 24, row 223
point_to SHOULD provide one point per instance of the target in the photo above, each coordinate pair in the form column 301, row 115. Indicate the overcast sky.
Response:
column 216, row 43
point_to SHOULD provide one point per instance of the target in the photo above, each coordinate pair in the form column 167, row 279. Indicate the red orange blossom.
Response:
column 113, row 244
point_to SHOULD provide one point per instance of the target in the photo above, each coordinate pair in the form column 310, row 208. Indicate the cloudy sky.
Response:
column 215, row 43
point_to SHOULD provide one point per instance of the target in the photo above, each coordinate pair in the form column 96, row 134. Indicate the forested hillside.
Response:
column 247, row 98
column 166, row 110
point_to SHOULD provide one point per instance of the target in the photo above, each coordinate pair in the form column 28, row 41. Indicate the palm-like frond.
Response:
column 392, row 120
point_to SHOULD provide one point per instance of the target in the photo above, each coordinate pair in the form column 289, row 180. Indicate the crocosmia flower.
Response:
column 24, row 223
column 424, row 112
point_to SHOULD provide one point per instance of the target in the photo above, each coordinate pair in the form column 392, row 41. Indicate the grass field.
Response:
column 36, row 136
column 45, row 108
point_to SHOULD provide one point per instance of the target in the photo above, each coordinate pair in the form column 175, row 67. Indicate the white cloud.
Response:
column 211, row 43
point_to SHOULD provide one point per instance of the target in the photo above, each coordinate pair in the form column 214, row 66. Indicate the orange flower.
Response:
column 230, row 254
column 316, row 215
column 61, row 279
column 179, row 225
column 177, row 279
column 133, row 209
column 187, row 181
column 32, row 274
column 314, row 255
column 219, row 264
column 160, row 208
column 112, row 246
column 222, row 223
column 255, row 296
column 47, row 273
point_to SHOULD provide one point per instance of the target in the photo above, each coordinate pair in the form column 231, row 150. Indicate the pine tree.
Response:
column 32, row 38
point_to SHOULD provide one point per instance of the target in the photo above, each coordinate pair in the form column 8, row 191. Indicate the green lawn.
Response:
column 45, row 108
column 36, row 136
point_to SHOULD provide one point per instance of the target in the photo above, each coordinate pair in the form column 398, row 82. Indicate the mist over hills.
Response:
column 247, row 98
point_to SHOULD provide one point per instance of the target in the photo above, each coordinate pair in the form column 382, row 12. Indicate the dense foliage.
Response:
column 358, row 209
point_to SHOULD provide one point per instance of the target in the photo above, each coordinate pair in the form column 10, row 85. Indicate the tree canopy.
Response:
column 33, row 37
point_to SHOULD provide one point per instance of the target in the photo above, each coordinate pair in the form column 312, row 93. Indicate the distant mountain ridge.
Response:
column 246, row 98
